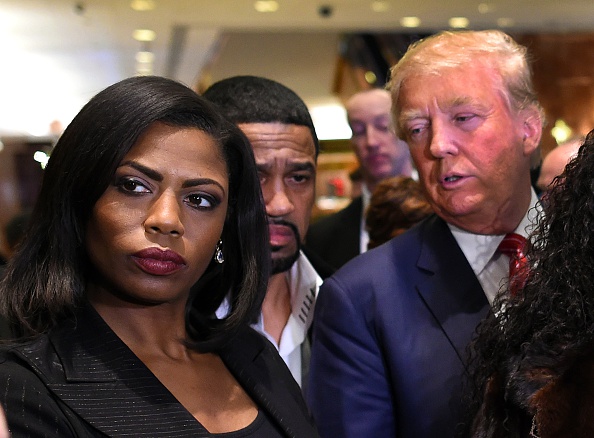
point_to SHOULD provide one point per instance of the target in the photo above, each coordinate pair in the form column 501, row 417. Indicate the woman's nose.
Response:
column 164, row 216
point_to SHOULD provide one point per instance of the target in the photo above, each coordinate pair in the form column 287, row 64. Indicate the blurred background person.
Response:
column 554, row 162
column 533, row 363
column 356, row 179
column 339, row 237
column 396, row 204
column 149, row 215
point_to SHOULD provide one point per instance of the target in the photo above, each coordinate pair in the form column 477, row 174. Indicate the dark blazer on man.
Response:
column 336, row 238
column 81, row 380
column 389, row 338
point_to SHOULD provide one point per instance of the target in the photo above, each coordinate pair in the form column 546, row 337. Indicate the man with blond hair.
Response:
column 392, row 326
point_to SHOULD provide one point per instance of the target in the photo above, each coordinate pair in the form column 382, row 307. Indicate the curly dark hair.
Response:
column 396, row 204
column 534, row 337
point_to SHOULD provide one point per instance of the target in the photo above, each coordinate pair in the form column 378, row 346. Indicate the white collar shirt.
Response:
column 364, row 235
column 491, row 267
column 304, row 284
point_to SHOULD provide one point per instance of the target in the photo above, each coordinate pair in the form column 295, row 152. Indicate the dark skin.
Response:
column 222, row 406
column 286, row 159
column 169, row 196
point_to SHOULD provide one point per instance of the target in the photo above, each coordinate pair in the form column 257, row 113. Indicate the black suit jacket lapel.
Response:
column 106, row 384
column 101, row 381
column 265, row 377
column 449, row 287
column 353, row 214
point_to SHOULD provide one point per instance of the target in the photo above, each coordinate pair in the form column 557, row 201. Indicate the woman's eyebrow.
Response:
column 154, row 175
column 151, row 173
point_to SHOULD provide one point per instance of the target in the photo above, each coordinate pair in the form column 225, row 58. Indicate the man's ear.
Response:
column 531, row 129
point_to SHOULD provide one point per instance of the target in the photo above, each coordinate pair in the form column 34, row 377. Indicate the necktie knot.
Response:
column 514, row 246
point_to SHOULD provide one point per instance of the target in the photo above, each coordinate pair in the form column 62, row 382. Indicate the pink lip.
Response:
column 280, row 235
column 376, row 159
column 156, row 261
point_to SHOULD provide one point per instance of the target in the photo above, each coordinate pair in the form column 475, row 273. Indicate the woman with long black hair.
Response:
column 149, row 215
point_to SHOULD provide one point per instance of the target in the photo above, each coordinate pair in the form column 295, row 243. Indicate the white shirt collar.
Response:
column 304, row 284
column 479, row 249
column 363, row 234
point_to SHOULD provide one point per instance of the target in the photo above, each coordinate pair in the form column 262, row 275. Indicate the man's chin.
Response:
column 283, row 264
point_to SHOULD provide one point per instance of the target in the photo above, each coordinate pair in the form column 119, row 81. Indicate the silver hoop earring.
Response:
column 218, row 255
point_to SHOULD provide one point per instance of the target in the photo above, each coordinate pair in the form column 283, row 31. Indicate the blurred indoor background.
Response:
column 56, row 54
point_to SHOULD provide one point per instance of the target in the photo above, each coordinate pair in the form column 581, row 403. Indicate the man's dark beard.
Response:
column 284, row 264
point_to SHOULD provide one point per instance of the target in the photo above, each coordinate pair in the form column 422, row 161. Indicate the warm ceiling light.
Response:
column 42, row 158
column 380, row 6
column 561, row 131
column 329, row 119
column 143, row 5
column 505, row 22
column 485, row 8
column 266, row 6
column 370, row 77
column 410, row 21
column 458, row 22
column 145, row 57
column 144, row 35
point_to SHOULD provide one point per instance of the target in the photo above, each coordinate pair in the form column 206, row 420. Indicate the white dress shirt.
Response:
column 304, row 284
column 364, row 235
column 491, row 267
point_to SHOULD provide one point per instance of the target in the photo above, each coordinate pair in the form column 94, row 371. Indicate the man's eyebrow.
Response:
column 306, row 166
column 408, row 115
column 302, row 166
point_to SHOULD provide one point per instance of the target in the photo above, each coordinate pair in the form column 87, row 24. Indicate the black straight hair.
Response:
column 46, row 279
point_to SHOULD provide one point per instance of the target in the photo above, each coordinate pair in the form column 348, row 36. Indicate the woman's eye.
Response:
column 132, row 186
column 201, row 201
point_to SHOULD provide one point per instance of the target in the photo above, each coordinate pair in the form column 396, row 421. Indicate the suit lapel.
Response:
column 347, row 229
column 106, row 384
column 260, row 372
column 450, row 288
column 352, row 217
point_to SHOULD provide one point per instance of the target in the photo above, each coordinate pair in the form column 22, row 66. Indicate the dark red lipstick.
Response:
column 156, row 261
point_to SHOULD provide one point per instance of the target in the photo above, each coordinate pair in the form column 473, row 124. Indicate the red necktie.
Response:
column 514, row 246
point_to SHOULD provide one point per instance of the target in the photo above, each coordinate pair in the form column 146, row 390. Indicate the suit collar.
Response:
column 354, row 211
column 249, row 358
column 105, row 383
column 449, row 289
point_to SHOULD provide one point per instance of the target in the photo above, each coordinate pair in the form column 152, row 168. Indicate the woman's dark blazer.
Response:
column 81, row 380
